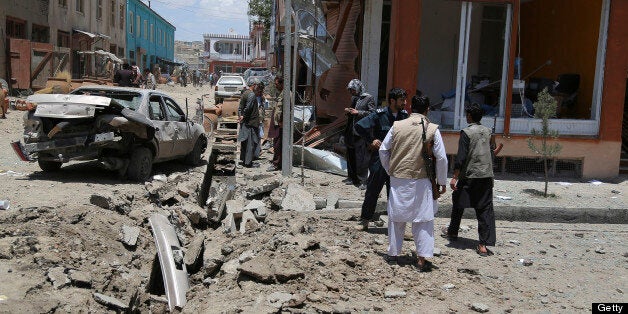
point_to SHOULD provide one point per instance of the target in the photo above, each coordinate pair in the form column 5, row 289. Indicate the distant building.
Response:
column 228, row 53
column 191, row 53
column 149, row 37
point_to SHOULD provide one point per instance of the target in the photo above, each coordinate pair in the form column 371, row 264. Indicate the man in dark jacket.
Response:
column 373, row 130
column 362, row 104
column 124, row 76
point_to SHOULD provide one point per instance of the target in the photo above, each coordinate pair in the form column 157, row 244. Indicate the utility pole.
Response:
column 286, row 136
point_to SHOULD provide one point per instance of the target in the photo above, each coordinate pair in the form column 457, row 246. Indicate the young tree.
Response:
column 544, row 109
column 261, row 11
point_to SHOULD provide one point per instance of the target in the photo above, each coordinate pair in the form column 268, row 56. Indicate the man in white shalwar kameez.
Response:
column 410, row 198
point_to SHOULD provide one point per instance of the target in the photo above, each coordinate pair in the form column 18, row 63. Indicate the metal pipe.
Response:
column 286, row 149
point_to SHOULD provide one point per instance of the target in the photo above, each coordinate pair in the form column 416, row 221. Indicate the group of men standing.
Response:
column 398, row 149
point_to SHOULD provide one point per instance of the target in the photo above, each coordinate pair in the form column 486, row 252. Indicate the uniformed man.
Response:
column 362, row 104
column 472, row 181
column 373, row 129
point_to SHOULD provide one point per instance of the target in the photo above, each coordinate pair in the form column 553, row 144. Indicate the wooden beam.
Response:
column 341, row 25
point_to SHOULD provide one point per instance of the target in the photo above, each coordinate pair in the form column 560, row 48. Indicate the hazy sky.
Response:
column 193, row 18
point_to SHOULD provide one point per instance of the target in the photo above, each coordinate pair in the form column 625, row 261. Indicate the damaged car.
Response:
column 125, row 129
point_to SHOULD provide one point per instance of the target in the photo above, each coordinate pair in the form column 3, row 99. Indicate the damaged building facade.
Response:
column 39, row 39
column 498, row 53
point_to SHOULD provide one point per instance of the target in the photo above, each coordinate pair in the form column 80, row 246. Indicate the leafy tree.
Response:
column 544, row 109
column 261, row 11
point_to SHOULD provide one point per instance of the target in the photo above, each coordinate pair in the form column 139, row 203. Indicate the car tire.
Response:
column 196, row 155
column 49, row 166
column 140, row 164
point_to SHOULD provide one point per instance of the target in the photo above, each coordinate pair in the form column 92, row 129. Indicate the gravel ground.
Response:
column 57, row 249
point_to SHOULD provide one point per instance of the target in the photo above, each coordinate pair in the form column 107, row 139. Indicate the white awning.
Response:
column 84, row 32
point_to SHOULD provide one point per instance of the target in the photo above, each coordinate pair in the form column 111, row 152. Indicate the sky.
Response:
column 193, row 18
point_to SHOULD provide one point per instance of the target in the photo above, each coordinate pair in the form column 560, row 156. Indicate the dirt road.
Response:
column 57, row 249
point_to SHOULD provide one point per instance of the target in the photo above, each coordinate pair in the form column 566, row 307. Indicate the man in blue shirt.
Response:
column 373, row 129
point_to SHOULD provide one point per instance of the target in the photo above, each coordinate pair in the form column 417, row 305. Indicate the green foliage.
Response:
column 261, row 11
column 544, row 109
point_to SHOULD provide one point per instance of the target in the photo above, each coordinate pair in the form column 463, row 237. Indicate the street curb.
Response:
column 550, row 214
column 541, row 214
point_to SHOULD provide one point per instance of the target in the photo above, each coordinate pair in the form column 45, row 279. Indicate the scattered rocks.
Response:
column 448, row 286
column 277, row 299
column 110, row 301
column 480, row 307
column 514, row 242
column 111, row 202
column 600, row 250
column 349, row 204
column 437, row 252
column 58, row 278
column 579, row 235
column 246, row 256
column 262, row 186
column 129, row 235
column 545, row 300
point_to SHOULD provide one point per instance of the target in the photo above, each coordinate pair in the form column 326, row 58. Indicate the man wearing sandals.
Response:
column 472, row 183
column 411, row 198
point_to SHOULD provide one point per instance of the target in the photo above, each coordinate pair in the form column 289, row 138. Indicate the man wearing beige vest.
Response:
column 411, row 199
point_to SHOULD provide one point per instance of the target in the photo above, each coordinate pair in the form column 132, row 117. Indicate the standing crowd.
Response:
column 405, row 152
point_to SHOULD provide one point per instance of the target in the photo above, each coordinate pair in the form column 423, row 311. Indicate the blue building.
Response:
column 149, row 37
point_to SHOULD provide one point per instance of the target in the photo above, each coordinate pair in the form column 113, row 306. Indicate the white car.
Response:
column 126, row 129
column 229, row 86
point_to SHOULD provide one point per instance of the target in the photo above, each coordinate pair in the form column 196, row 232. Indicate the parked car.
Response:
column 126, row 129
column 229, row 86
column 262, row 73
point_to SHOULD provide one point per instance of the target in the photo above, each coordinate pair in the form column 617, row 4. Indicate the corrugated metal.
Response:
column 339, row 76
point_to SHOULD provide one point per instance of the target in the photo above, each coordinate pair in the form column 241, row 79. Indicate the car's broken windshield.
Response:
column 127, row 99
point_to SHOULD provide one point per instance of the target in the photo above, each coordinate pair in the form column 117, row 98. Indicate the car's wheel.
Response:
column 195, row 156
column 140, row 164
column 49, row 166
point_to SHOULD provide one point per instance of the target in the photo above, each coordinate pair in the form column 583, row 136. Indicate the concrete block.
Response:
column 298, row 199
column 193, row 252
column 248, row 223
column 129, row 235
column 235, row 208
column 349, row 204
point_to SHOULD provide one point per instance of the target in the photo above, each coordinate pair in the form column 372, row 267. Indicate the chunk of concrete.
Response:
column 196, row 214
column 257, row 207
column 212, row 259
column 248, row 223
column 262, row 186
column 110, row 301
column 349, row 204
column 320, row 202
column 332, row 200
column 229, row 224
column 298, row 199
column 80, row 279
column 129, row 235
column 235, row 208
column 260, row 271
column 58, row 278
column 193, row 252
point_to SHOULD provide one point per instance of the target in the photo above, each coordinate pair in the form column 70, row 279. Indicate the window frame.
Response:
column 79, row 6
column 131, row 25
column 170, row 103
column 99, row 9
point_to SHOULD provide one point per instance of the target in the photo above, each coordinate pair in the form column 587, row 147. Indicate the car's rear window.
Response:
column 233, row 80
column 127, row 99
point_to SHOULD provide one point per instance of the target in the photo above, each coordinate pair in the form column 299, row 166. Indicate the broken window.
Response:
column 315, row 44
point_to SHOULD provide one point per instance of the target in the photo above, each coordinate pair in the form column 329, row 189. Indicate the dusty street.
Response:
column 60, row 247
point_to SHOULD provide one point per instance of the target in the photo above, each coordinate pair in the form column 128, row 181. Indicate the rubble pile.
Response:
column 281, row 247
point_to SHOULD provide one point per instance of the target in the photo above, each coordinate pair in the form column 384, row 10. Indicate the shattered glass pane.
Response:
column 315, row 44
